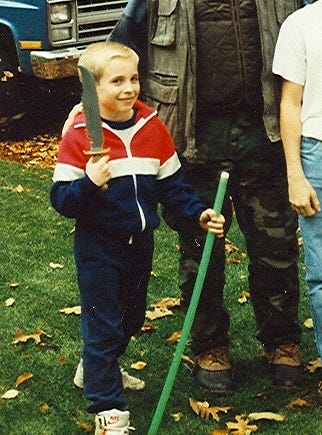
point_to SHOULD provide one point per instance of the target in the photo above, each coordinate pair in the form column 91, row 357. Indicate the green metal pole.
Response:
column 190, row 315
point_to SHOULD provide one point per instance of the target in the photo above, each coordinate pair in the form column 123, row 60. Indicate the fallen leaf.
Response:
column 298, row 403
column 308, row 323
column 188, row 359
column 21, row 337
column 139, row 365
column 44, row 408
column 9, row 302
column 56, row 265
column 18, row 189
column 10, row 394
column 219, row 432
column 241, row 427
column 177, row 416
column 229, row 247
column 71, row 310
column 167, row 303
column 8, row 74
column 14, row 285
column 203, row 410
column 153, row 273
column 233, row 260
column 158, row 313
column 312, row 366
column 87, row 427
column 148, row 328
column 244, row 297
column 23, row 378
column 174, row 337
column 266, row 416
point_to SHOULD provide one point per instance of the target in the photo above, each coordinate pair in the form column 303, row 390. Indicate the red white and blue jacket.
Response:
column 145, row 171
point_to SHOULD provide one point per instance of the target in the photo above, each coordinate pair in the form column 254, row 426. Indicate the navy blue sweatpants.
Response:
column 113, row 274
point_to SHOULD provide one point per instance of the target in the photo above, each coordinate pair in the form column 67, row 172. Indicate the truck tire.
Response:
column 11, row 89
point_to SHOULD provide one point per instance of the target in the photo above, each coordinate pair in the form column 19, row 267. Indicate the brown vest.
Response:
column 228, row 55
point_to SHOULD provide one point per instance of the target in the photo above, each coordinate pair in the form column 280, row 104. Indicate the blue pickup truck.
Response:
column 44, row 38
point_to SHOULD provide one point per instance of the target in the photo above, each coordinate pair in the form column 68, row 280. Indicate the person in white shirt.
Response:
column 298, row 60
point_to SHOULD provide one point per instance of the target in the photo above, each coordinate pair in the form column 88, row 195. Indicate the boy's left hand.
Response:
column 209, row 221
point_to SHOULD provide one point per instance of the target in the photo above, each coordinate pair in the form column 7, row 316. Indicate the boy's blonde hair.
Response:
column 96, row 56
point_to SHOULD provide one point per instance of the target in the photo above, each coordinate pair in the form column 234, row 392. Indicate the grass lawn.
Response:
column 34, row 241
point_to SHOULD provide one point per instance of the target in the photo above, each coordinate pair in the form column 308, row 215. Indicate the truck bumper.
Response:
column 51, row 65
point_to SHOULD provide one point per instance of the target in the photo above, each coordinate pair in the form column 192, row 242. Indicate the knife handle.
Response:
column 96, row 156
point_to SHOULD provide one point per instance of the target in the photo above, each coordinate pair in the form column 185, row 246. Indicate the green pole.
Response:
column 190, row 315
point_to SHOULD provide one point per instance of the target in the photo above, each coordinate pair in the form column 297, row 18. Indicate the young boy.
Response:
column 114, row 226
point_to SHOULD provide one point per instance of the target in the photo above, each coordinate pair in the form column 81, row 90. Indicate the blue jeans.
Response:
column 311, row 229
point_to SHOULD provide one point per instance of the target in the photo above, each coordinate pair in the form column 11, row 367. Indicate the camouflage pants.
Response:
column 258, row 188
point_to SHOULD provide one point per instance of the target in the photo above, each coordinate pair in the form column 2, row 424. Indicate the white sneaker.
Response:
column 113, row 422
column 129, row 382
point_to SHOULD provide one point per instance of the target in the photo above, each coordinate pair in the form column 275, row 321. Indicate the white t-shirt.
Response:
column 298, row 59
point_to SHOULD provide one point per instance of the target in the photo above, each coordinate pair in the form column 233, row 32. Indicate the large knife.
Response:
column 92, row 114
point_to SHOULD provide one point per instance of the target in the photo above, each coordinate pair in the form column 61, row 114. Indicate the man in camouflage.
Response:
column 207, row 69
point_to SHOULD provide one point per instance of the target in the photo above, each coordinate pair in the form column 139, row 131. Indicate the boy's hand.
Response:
column 98, row 171
column 210, row 222
column 71, row 117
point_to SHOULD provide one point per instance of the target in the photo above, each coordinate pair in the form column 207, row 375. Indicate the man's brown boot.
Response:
column 286, row 365
column 213, row 371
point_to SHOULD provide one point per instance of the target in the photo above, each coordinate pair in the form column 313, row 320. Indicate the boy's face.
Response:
column 118, row 89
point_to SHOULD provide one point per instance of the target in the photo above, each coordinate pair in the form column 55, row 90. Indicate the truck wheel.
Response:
column 11, row 89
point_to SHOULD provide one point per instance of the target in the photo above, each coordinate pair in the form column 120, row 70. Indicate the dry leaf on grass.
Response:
column 158, row 313
column 188, row 359
column 244, row 297
column 21, row 337
column 312, row 366
column 20, row 189
column 147, row 327
column 301, row 403
column 56, row 265
column 14, row 285
column 10, row 394
column 23, row 378
column 241, row 427
column 235, row 255
column 85, row 426
column 44, row 408
column 139, row 365
column 71, row 310
column 174, row 337
column 219, row 432
column 266, row 416
column 177, row 416
column 203, row 410
column 308, row 323
column 167, row 303
column 9, row 302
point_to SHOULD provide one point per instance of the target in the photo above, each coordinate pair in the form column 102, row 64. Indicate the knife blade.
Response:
column 92, row 114
column 92, row 111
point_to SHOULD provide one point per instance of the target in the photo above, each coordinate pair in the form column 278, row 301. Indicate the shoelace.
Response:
column 287, row 351
column 220, row 356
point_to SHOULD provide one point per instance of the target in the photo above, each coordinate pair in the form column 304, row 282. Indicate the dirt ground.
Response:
column 33, row 138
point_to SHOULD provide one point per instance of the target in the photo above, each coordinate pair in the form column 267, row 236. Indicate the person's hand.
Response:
column 302, row 197
column 98, row 171
column 71, row 117
column 209, row 221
